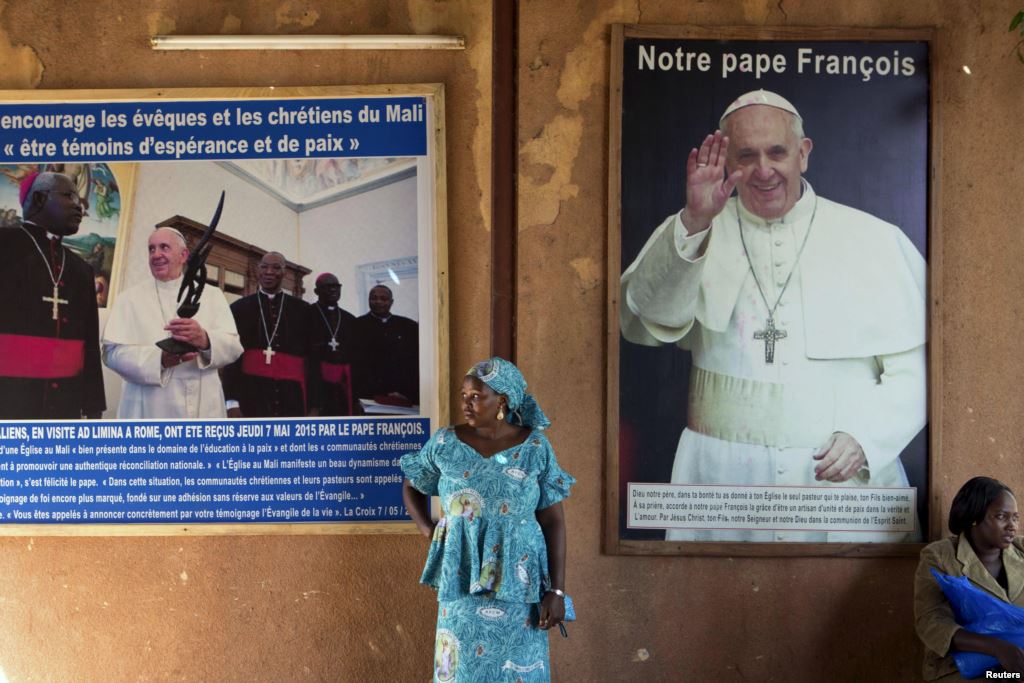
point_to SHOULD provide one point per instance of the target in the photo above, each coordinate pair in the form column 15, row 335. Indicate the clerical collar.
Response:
column 800, row 212
column 383, row 319
column 174, row 284
column 268, row 294
column 35, row 229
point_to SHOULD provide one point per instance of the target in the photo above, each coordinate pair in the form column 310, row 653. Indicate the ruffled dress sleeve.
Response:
column 420, row 467
column 489, row 543
column 554, row 481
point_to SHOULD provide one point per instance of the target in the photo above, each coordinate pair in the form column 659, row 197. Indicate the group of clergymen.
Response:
column 269, row 354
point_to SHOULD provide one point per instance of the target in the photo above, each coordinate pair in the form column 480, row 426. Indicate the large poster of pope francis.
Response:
column 772, row 208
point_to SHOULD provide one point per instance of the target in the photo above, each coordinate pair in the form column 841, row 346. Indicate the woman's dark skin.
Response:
column 487, row 435
column 989, row 538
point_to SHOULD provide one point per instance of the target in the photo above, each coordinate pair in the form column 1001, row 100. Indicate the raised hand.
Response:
column 707, row 185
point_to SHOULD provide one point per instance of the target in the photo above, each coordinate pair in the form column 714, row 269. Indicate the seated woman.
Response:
column 984, row 548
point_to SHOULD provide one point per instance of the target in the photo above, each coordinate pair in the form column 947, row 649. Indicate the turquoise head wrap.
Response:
column 504, row 378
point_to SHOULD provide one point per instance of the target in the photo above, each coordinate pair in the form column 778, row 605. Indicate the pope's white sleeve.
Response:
column 225, row 347
column 658, row 295
column 136, row 363
column 883, row 417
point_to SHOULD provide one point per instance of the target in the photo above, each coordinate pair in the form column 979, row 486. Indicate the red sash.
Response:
column 283, row 366
column 336, row 373
column 340, row 374
column 40, row 357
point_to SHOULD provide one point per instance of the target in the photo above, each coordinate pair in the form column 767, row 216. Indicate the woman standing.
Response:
column 497, row 557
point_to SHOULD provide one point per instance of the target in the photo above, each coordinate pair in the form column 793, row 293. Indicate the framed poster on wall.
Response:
column 323, row 343
column 770, row 204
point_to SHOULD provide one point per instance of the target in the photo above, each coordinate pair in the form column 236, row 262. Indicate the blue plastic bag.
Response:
column 980, row 612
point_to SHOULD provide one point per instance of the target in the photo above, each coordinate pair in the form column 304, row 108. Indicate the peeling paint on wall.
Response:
column 159, row 24
column 429, row 16
column 232, row 24
column 20, row 66
column 542, row 190
column 588, row 273
column 756, row 12
column 577, row 80
column 296, row 13
column 545, row 170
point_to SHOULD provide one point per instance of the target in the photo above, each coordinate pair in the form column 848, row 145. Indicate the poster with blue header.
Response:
column 286, row 248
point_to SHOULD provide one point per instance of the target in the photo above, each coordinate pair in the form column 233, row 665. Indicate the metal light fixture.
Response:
column 304, row 42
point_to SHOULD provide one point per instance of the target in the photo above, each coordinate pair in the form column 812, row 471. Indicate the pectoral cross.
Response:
column 769, row 334
column 268, row 353
column 55, row 300
column 333, row 344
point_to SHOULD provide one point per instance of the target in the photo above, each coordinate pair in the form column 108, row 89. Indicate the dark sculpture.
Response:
column 193, row 283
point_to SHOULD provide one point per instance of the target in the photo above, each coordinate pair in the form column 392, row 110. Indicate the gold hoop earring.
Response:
column 501, row 413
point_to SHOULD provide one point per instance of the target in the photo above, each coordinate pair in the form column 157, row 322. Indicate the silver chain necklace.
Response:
column 334, row 333
column 268, row 353
column 166, row 320
column 55, row 279
column 770, row 334
column 160, row 302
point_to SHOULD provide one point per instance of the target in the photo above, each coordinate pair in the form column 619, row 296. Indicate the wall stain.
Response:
column 160, row 24
column 452, row 18
column 588, row 272
column 542, row 191
column 20, row 66
column 577, row 81
column 756, row 12
column 296, row 13
column 557, row 146
column 232, row 24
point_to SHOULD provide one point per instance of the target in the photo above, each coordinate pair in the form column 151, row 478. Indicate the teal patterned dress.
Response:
column 488, row 560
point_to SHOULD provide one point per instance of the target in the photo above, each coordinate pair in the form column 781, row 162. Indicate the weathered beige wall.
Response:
column 702, row 619
column 246, row 608
column 348, row 608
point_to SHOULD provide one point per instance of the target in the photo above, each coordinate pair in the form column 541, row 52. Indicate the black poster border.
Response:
column 614, row 499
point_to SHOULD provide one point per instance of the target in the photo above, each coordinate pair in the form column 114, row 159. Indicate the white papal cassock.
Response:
column 189, row 390
column 853, row 359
